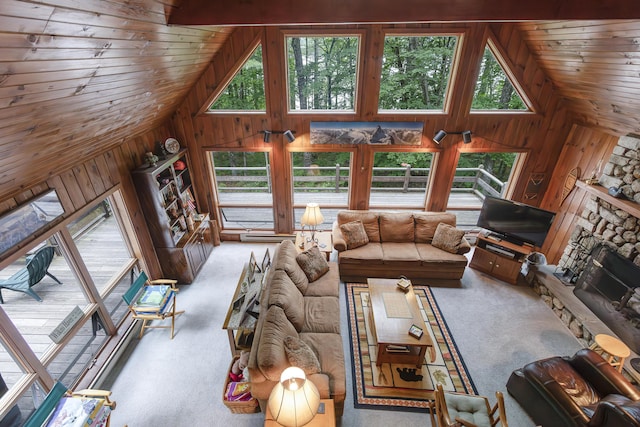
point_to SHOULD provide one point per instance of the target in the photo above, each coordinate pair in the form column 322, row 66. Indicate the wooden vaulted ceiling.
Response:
column 78, row 78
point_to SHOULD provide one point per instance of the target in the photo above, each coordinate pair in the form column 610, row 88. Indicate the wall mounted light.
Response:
column 289, row 134
column 441, row 134
column 267, row 136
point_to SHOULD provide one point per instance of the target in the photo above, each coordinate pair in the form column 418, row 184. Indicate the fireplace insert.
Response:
column 609, row 287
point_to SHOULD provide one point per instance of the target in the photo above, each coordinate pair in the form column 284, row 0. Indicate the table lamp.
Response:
column 312, row 217
column 294, row 401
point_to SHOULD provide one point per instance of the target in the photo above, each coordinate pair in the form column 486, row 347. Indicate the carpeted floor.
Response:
column 401, row 386
column 178, row 383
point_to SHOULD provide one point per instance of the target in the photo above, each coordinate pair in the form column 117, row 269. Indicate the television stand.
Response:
column 499, row 258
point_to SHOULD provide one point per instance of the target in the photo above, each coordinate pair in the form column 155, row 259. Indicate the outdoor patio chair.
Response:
column 466, row 410
column 35, row 270
column 150, row 300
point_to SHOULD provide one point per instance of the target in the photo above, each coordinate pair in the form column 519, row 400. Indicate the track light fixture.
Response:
column 289, row 134
column 440, row 135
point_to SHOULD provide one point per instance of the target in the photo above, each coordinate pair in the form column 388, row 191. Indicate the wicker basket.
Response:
column 240, row 407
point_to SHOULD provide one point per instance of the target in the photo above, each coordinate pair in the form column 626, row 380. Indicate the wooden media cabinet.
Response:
column 499, row 258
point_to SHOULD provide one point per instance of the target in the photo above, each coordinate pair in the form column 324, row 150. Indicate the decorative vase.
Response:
column 152, row 159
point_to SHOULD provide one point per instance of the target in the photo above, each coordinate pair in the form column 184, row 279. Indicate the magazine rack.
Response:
column 150, row 300
column 50, row 403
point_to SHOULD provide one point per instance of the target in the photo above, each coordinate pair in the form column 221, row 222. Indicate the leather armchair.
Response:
column 578, row 391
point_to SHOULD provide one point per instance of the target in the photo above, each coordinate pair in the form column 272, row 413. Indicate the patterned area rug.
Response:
column 396, row 386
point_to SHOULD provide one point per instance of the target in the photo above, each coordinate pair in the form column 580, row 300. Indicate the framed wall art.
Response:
column 374, row 133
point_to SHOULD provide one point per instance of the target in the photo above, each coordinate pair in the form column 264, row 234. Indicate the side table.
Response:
column 614, row 348
column 327, row 419
column 324, row 242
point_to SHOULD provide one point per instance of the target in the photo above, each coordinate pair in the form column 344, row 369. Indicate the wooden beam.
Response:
column 282, row 12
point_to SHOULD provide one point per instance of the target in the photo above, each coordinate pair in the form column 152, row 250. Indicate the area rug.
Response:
column 396, row 386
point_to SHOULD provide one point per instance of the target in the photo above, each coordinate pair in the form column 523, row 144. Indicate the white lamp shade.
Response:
column 294, row 401
column 312, row 215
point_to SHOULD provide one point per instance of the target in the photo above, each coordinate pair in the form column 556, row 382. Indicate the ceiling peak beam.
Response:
column 283, row 12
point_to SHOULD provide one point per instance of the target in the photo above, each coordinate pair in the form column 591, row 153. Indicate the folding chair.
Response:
column 152, row 300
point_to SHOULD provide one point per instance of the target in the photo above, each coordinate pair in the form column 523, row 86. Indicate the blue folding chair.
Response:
column 155, row 309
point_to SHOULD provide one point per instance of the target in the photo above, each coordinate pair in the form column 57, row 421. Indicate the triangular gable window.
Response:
column 245, row 91
column 494, row 89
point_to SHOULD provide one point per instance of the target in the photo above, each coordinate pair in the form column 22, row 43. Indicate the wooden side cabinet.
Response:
column 499, row 258
column 168, row 201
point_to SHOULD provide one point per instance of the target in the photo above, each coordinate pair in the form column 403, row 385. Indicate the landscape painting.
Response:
column 374, row 133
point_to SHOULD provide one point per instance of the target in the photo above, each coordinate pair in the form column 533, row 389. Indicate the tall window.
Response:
column 323, row 178
column 416, row 71
column 400, row 180
column 93, row 243
column 322, row 72
column 479, row 175
column 243, row 189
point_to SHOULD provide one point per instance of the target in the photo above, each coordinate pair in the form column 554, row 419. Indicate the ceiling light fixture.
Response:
column 441, row 134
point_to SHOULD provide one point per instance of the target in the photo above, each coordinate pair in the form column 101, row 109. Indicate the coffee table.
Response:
column 392, row 312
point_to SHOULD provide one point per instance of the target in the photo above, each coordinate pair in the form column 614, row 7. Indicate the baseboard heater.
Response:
column 265, row 237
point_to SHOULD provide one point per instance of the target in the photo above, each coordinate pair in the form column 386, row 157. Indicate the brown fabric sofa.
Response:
column 293, row 306
column 399, row 243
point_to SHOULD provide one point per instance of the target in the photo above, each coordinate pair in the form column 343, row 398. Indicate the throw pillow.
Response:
column 301, row 355
column 447, row 238
column 354, row 234
column 313, row 263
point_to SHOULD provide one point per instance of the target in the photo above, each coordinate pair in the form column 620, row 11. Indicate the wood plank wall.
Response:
column 540, row 135
column 584, row 148
column 88, row 182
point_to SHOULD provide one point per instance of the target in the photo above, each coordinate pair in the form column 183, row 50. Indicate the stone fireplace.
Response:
column 602, row 257
column 609, row 286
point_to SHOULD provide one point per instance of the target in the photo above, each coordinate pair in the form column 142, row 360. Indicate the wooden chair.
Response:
column 466, row 410
column 166, row 308
column 35, row 270
column 49, row 404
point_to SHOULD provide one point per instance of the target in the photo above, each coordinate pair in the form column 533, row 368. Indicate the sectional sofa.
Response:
column 412, row 244
column 293, row 309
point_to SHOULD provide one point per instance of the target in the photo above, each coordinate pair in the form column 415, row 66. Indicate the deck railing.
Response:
column 335, row 179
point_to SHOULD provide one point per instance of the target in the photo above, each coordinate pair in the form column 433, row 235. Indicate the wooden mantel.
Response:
column 602, row 193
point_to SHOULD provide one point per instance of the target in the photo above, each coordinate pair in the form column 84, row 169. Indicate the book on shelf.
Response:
column 391, row 348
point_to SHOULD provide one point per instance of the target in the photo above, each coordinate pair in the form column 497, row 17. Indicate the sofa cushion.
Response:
column 301, row 355
column 433, row 256
column 369, row 221
column 284, row 294
column 313, row 263
column 285, row 259
column 447, row 238
column 368, row 252
column 321, row 314
column 396, row 227
column 271, row 357
column 327, row 285
column 406, row 252
column 427, row 222
column 328, row 347
column 354, row 234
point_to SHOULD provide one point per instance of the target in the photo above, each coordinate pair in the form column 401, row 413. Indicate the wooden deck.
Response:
column 104, row 254
column 466, row 205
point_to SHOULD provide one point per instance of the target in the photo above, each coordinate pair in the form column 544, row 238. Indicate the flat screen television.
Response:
column 515, row 222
